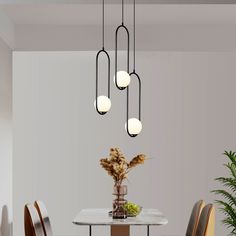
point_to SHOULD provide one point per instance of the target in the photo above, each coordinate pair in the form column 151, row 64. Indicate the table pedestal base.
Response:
column 120, row 230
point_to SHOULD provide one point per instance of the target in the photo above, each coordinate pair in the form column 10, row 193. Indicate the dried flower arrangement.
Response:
column 117, row 165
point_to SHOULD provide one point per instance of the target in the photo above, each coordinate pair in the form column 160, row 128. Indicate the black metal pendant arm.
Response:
column 122, row 26
column 134, row 74
column 103, row 51
column 108, row 77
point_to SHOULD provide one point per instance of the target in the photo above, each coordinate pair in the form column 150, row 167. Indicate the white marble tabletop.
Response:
column 101, row 217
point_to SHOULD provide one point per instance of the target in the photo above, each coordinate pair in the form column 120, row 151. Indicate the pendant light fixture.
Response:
column 102, row 103
column 121, row 78
column 133, row 126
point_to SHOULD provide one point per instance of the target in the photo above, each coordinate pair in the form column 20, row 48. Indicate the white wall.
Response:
column 188, row 121
column 5, row 139
column 161, row 37
column 7, row 29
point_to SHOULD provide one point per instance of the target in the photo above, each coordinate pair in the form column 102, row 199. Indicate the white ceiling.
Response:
column 86, row 14
column 76, row 24
column 118, row 1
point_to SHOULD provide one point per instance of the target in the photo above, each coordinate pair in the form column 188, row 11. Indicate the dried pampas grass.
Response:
column 117, row 165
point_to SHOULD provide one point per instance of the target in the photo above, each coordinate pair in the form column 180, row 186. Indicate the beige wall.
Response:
column 188, row 121
column 5, row 139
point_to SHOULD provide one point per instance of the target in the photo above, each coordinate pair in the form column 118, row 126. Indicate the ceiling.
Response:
column 118, row 1
column 147, row 14
column 76, row 24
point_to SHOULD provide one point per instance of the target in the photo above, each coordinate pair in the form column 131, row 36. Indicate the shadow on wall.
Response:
column 6, row 225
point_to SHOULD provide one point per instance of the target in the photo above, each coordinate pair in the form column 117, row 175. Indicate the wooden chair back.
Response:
column 44, row 217
column 206, row 225
column 32, row 222
column 194, row 218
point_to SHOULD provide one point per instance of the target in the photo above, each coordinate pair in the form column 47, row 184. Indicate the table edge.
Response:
column 120, row 223
column 164, row 219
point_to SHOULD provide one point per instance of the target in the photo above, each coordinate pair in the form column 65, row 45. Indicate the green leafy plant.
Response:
column 228, row 204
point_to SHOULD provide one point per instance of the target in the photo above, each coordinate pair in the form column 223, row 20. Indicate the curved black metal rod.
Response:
column 116, row 41
column 108, row 73
column 127, row 115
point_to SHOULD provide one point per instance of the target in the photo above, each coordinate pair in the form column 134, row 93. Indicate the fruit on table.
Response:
column 132, row 209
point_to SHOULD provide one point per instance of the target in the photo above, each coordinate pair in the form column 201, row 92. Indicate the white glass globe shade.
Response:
column 122, row 78
column 134, row 125
column 103, row 104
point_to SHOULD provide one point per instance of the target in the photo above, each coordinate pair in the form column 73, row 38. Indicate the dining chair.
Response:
column 32, row 222
column 194, row 218
column 44, row 217
column 206, row 225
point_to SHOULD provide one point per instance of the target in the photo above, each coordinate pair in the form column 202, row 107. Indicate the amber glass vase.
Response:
column 118, row 210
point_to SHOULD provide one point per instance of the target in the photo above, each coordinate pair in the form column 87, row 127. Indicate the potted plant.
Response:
column 118, row 167
column 228, row 193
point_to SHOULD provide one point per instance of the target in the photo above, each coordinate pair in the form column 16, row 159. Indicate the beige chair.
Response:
column 194, row 218
column 206, row 225
column 32, row 222
column 43, row 214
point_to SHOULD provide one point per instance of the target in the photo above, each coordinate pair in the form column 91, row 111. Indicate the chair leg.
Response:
column 148, row 230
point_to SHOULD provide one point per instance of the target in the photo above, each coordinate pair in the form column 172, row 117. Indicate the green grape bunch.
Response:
column 132, row 209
